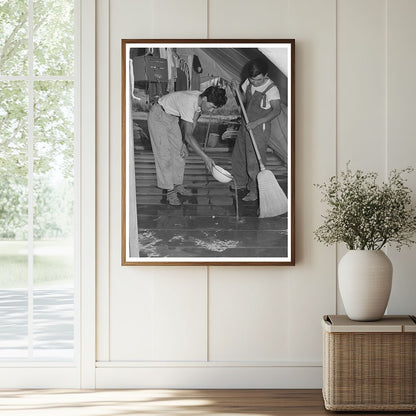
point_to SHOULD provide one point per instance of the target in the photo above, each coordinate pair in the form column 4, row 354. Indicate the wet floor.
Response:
column 205, row 225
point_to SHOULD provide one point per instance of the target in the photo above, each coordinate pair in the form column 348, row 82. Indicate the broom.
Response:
column 272, row 199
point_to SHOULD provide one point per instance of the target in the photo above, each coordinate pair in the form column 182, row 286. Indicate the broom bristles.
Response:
column 272, row 199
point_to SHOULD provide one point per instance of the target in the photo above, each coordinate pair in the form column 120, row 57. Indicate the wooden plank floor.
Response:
column 206, row 224
column 167, row 402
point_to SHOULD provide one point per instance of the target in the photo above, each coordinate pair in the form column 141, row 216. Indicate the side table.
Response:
column 369, row 366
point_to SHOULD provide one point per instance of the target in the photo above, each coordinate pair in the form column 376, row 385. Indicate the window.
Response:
column 38, row 185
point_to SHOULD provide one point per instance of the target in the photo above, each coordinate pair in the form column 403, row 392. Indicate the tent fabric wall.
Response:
column 231, row 64
column 234, row 63
column 279, row 57
column 278, row 138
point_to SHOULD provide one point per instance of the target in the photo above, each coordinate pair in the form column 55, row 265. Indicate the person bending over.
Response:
column 166, row 137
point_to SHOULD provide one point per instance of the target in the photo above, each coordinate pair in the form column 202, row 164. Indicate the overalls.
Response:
column 166, row 138
column 245, row 165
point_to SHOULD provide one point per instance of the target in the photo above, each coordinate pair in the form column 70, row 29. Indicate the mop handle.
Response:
column 262, row 167
column 206, row 136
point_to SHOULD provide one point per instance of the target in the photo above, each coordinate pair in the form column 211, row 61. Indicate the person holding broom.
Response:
column 262, row 103
column 166, row 137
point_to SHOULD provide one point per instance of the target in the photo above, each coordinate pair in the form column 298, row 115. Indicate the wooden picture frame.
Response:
column 205, row 222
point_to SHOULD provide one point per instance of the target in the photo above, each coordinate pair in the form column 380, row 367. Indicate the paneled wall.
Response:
column 254, row 326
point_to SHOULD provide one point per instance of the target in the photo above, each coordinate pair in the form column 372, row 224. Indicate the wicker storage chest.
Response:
column 369, row 366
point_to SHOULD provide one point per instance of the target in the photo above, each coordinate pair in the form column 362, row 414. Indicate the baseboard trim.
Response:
column 210, row 377
column 204, row 364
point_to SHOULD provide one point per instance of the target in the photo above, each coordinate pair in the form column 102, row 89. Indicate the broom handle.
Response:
column 256, row 149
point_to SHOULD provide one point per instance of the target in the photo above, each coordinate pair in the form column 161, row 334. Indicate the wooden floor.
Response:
column 206, row 224
column 165, row 402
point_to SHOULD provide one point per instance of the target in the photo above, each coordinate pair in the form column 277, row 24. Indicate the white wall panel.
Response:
column 131, row 316
column 140, row 327
column 179, row 19
column 272, row 326
column 131, row 19
column 248, row 314
column 159, row 316
column 354, row 101
column 103, row 176
column 179, row 309
column 312, row 283
column 159, row 19
column 401, row 143
column 264, row 19
column 361, row 84
column 361, row 89
column 298, row 338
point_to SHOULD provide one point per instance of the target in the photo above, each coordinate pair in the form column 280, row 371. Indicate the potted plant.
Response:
column 366, row 215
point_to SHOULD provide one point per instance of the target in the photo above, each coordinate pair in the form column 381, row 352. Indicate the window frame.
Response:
column 81, row 371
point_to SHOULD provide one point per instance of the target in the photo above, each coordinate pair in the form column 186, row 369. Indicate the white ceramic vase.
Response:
column 364, row 278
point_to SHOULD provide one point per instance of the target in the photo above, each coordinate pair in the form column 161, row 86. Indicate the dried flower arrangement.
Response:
column 366, row 215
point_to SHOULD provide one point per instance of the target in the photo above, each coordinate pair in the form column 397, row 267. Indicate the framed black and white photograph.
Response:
column 208, row 152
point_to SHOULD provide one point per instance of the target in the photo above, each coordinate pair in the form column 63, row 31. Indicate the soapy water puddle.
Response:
column 177, row 239
column 216, row 245
column 148, row 243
